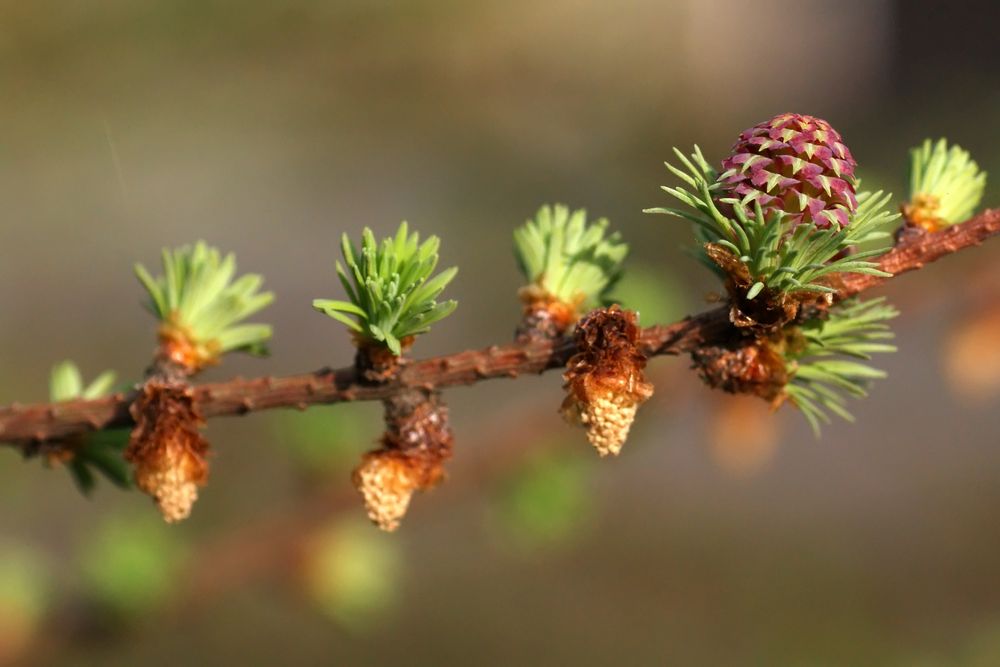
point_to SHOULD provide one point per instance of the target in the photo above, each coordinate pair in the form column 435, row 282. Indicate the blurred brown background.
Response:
column 721, row 536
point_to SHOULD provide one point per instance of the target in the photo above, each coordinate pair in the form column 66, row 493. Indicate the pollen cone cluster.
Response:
column 605, row 384
column 166, row 450
column 793, row 163
column 415, row 446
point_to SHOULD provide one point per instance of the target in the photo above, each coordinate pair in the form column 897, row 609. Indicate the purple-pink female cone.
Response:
column 794, row 163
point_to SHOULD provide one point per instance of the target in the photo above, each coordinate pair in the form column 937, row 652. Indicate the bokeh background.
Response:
column 722, row 536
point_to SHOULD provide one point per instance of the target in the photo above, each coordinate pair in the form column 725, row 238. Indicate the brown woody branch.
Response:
column 28, row 426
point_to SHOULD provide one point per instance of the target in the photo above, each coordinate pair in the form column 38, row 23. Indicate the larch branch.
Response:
column 27, row 426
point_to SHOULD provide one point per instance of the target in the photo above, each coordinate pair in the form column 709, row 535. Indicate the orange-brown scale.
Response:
column 923, row 212
column 179, row 347
column 545, row 316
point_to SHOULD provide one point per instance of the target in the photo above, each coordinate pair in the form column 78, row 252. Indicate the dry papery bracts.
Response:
column 781, row 222
column 605, row 384
column 166, row 449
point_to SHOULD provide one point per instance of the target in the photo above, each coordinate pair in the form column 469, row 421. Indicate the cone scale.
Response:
column 794, row 163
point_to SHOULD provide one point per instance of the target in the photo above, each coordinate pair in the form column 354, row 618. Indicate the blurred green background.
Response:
column 721, row 536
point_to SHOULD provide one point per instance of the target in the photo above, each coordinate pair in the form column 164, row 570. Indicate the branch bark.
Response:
column 29, row 426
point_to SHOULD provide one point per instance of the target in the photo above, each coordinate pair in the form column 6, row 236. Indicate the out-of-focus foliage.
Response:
column 92, row 453
column 328, row 440
column 130, row 565
column 66, row 383
column 651, row 291
column 972, row 355
column 546, row 501
column 982, row 649
column 743, row 434
column 26, row 588
column 352, row 573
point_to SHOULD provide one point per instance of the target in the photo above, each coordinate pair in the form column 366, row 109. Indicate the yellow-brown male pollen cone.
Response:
column 166, row 450
column 415, row 446
column 605, row 382
column 386, row 480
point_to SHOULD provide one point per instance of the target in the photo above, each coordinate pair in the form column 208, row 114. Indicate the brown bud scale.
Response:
column 375, row 361
column 770, row 309
column 545, row 317
column 754, row 367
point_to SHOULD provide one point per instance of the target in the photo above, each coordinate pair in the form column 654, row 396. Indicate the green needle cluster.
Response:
column 567, row 258
column 947, row 179
column 198, row 298
column 828, row 366
column 95, row 453
column 391, row 293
